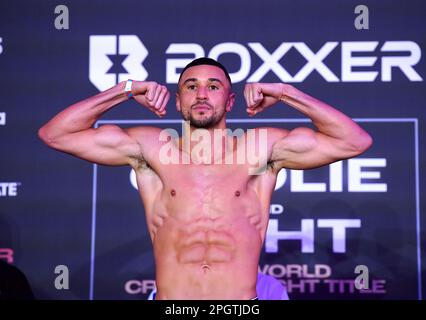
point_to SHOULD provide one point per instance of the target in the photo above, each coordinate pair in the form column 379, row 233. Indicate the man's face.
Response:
column 204, row 96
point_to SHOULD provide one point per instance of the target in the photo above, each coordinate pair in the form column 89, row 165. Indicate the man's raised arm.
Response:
column 338, row 136
column 71, row 130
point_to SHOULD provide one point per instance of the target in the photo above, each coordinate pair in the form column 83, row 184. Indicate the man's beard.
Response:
column 204, row 122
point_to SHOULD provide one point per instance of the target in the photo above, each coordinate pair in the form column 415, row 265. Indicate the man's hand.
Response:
column 152, row 95
column 260, row 96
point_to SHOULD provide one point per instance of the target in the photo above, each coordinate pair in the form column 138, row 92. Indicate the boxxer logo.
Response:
column 116, row 58
column 386, row 58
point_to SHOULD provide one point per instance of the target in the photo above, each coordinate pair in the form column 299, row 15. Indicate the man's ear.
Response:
column 178, row 102
column 230, row 102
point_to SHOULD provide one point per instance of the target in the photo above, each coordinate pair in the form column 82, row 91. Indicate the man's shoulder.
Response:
column 144, row 130
column 145, row 133
column 275, row 132
column 268, row 135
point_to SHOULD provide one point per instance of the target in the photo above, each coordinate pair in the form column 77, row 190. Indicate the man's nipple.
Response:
column 173, row 192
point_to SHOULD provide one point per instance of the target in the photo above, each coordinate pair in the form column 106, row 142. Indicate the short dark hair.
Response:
column 206, row 61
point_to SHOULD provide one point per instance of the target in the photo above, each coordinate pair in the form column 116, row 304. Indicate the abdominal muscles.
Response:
column 205, row 247
column 206, row 257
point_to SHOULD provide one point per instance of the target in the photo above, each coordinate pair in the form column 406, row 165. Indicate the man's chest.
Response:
column 204, row 181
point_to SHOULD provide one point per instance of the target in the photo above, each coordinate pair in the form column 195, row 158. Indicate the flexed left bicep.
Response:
column 304, row 148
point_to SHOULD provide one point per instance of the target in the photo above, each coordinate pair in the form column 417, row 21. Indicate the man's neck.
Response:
column 207, row 145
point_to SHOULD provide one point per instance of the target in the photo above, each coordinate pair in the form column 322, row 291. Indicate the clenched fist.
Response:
column 260, row 96
column 151, row 95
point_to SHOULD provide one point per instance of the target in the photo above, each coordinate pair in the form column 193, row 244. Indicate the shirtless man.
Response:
column 207, row 222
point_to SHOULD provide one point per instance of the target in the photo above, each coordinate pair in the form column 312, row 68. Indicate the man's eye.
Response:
column 213, row 87
column 191, row 87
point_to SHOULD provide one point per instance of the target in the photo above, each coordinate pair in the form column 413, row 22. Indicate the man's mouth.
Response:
column 201, row 107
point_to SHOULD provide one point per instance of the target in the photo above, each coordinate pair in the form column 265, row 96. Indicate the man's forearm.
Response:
column 83, row 114
column 327, row 119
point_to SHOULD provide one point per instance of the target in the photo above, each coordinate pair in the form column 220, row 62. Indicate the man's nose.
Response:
column 202, row 92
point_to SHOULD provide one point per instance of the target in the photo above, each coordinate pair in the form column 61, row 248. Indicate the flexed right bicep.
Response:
column 106, row 145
